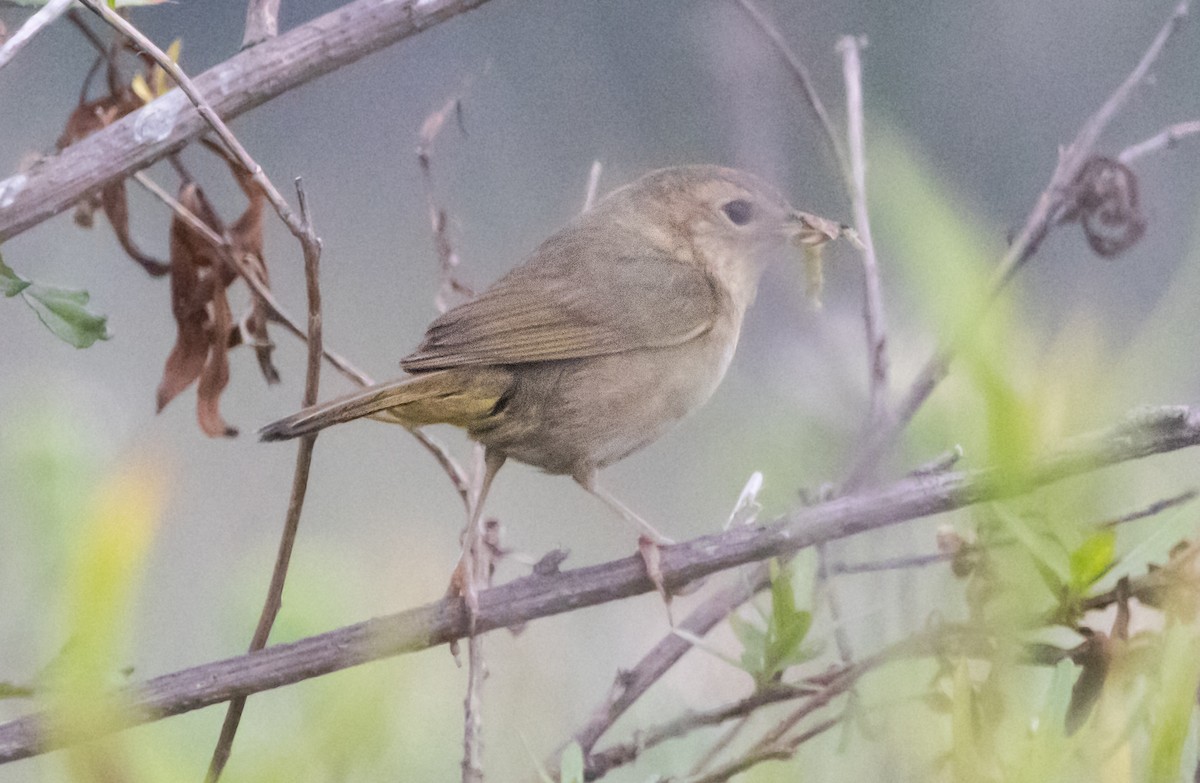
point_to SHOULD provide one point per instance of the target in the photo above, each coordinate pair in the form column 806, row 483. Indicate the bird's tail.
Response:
column 460, row 396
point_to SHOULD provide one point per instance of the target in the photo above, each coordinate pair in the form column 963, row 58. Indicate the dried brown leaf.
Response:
column 202, row 316
column 86, row 119
column 246, row 238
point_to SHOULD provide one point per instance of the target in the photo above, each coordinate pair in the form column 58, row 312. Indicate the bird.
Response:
column 615, row 328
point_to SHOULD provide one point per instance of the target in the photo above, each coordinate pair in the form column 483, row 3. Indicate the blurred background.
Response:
column 967, row 104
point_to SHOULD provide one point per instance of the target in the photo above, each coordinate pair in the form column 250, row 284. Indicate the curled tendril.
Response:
column 1104, row 199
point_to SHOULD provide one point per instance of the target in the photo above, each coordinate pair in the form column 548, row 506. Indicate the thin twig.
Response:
column 450, row 288
column 122, row 26
column 1148, row 431
column 718, row 747
column 593, row 185
column 33, row 25
column 312, row 256
column 602, row 762
column 1050, row 205
column 477, row 555
column 1153, row 509
column 244, row 81
column 782, row 752
column 276, row 311
column 800, row 73
column 262, row 22
column 873, row 313
column 279, row 315
column 892, row 564
column 1163, row 140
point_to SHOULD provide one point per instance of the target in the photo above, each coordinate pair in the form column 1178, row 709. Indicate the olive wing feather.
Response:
column 571, row 306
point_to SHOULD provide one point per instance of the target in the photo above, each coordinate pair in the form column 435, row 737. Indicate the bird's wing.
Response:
column 570, row 306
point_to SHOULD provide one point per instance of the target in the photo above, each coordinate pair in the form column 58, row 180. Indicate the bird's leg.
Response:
column 644, row 528
column 475, row 563
column 649, row 539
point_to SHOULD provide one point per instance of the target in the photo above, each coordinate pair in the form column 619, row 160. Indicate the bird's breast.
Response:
column 581, row 414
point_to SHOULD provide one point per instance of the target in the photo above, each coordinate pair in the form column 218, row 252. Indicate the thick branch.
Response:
column 1147, row 432
column 242, row 82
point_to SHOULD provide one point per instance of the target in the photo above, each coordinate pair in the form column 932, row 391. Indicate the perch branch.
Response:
column 1150, row 431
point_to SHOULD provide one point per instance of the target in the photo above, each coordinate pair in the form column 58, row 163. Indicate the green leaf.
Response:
column 62, row 310
column 1178, row 672
column 1093, row 559
column 754, row 644
column 571, row 764
column 1046, row 550
column 10, row 282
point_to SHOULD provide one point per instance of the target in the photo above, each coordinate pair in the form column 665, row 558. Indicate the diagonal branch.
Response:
column 237, row 85
column 1049, row 206
column 1148, row 431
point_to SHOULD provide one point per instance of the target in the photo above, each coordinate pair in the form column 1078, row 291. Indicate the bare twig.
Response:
column 1164, row 139
column 262, row 21
column 873, row 314
column 1147, row 432
column 1049, row 207
column 33, row 25
column 234, row 86
column 281, row 316
column 450, row 289
column 276, row 311
column 602, row 762
column 717, row 748
column 800, row 73
column 892, row 564
column 312, row 256
column 782, row 752
column 122, row 26
column 477, row 555
column 1154, row 508
column 593, row 185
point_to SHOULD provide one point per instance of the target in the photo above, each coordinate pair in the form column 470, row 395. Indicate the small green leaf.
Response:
column 10, row 282
column 754, row 644
column 64, row 312
column 1047, row 551
column 571, row 764
column 1093, row 559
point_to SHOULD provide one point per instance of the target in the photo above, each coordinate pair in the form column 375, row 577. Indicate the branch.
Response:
column 311, row 246
column 1149, row 431
column 1166, row 139
column 1057, row 197
column 876, row 323
column 237, row 85
column 33, row 25
column 804, row 80
column 262, row 22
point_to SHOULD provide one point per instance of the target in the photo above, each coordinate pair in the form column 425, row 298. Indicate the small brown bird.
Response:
column 618, row 326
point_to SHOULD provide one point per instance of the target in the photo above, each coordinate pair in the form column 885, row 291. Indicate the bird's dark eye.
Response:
column 739, row 211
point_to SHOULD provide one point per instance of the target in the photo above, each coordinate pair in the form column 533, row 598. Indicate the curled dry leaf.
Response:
column 1105, row 202
column 202, row 316
column 87, row 118
column 246, row 238
column 200, row 277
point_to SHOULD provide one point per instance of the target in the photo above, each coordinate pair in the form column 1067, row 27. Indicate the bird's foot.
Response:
column 651, row 551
